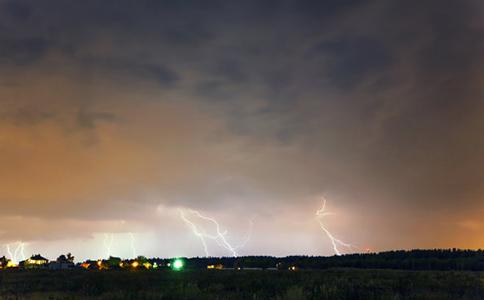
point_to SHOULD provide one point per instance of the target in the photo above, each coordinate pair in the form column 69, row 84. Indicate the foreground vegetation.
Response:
column 243, row 284
column 417, row 274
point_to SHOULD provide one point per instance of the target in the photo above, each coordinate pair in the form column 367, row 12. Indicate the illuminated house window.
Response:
column 293, row 268
column 36, row 261
column 85, row 265
column 215, row 267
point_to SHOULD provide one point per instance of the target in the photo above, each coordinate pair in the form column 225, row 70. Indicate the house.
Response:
column 55, row 265
column 113, row 262
column 63, row 262
column 35, row 261
column 102, row 264
column 89, row 264
column 293, row 268
column 215, row 267
column 85, row 265
column 133, row 263
column 139, row 262
column 152, row 264
column 156, row 263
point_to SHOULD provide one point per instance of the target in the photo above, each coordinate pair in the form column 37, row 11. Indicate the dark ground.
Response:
column 229, row 284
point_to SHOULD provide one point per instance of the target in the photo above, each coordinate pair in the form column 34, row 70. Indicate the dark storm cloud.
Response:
column 352, row 59
column 268, row 103
column 427, row 143
column 80, row 26
column 88, row 120
column 17, row 10
column 22, row 51
column 26, row 116
column 159, row 73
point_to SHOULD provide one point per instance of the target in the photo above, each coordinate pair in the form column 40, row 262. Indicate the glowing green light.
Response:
column 177, row 264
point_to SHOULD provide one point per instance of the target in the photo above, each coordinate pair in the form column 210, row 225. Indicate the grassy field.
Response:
column 206, row 284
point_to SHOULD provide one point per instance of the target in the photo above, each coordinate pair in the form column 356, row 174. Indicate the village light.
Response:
column 85, row 265
column 177, row 264
column 11, row 264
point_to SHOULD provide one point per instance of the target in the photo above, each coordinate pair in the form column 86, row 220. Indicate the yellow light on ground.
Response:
column 11, row 264
column 215, row 267
column 135, row 264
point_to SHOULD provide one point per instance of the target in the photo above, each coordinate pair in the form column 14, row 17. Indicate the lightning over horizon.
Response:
column 108, row 243
column 115, row 114
column 132, row 244
column 240, row 149
column 219, row 237
column 18, row 253
column 320, row 214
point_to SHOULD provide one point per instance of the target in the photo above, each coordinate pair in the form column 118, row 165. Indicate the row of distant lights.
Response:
column 176, row 265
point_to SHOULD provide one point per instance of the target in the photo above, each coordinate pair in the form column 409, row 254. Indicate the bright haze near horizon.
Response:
column 117, row 115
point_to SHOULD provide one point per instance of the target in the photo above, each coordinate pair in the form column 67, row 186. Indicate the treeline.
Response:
column 437, row 259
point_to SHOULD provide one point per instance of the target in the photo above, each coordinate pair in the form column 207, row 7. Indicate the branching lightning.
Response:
column 18, row 253
column 220, row 235
column 320, row 214
column 199, row 234
column 109, row 240
column 108, row 243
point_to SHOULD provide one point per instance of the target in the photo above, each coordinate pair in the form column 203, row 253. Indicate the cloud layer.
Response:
column 119, row 112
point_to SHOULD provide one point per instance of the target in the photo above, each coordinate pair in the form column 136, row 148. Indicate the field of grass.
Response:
column 215, row 284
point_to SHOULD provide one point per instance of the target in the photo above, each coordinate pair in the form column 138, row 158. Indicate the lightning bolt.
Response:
column 219, row 237
column 18, row 252
column 320, row 214
column 201, row 235
column 132, row 242
column 108, row 243
column 10, row 253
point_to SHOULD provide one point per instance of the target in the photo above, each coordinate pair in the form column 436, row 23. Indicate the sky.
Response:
column 118, row 116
